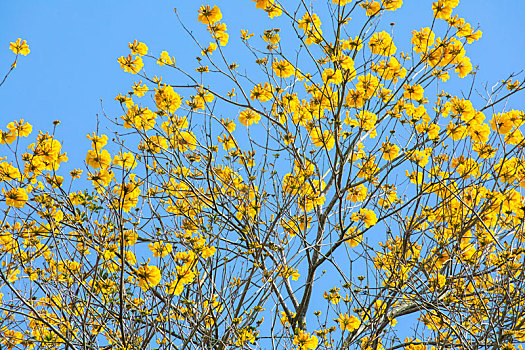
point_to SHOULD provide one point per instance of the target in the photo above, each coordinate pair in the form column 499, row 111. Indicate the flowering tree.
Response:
column 332, row 194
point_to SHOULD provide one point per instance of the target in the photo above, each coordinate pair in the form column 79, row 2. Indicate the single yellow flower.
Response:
column 19, row 47
column 148, row 276
column 16, row 197
column 248, row 117
column 208, row 15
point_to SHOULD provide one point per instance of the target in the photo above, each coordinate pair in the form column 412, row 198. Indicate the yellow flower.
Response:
column 97, row 142
column 184, row 140
column 262, row 93
column 16, row 197
column 167, row 99
column 283, row 69
column 148, row 276
column 13, row 275
column 228, row 142
column 423, row 39
column 479, row 133
column 154, row 144
column 7, row 137
column 19, row 128
column 248, row 117
column 463, row 67
column 262, row 4
column 165, row 59
column 392, row 70
column 138, row 90
column 357, row 193
column 284, row 319
column 456, row 131
column 202, row 69
column 310, row 22
column 392, row 5
column 382, row 44
column 304, row 341
column 372, row 7
column 273, row 10
column 98, row 159
column 414, row 92
column 159, row 249
column 209, row 15
column 246, row 335
column 8, row 172
column 515, row 137
column 32, row 274
column 390, row 151
column 348, row 323
column 126, row 160
column 442, row 9
column 368, row 85
column 341, row 2
column 207, row 252
column 419, row 345
column 218, row 32
column 354, row 99
column 353, row 44
column 174, row 287
column 209, row 50
column 55, row 181
column 245, row 35
column 322, row 139
column 185, row 274
column 288, row 271
column 415, row 177
column 138, row 48
column 228, row 124
column 329, row 76
column 505, row 122
column 365, row 120
column 125, row 100
column 431, row 129
column 131, row 64
column 130, row 257
column 366, row 215
column 102, row 177
column 19, row 47
column 353, row 237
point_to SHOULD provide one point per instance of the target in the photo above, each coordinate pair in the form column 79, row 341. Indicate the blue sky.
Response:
column 72, row 73
column 75, row 45
column 72, row 70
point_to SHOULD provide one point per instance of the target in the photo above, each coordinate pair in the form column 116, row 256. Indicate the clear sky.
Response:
column 72, row 73
column 75, row 45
